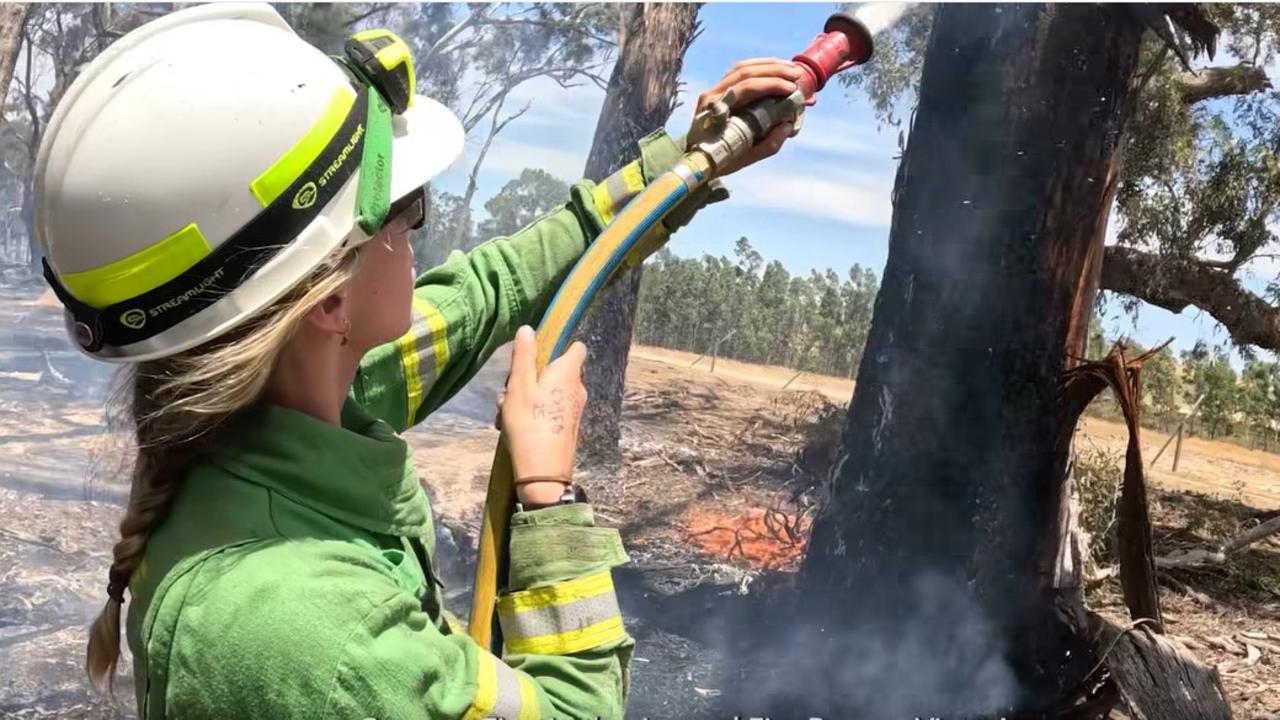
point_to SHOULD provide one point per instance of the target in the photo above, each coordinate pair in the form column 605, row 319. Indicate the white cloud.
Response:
column 551, row 104
column 824, row 134
column 853, row 199
column 512, row 156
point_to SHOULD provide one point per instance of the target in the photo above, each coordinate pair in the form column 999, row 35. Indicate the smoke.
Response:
column 877, row 16
column 933, row 654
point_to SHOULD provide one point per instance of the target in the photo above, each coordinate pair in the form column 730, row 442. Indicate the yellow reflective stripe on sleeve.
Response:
column 273, row 181
column 558, row 594
column 528, row 699
column 140, row 272
column 604, row 204
column 563, row 618
column 486, row 689
column 501, row 692
column 632, row 178
column 617, row 190
column 424, row 353
column 573, row 641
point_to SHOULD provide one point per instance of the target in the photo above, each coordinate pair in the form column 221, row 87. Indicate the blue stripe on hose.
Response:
column 585, row 299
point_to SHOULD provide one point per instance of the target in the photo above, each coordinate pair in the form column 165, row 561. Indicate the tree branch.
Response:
column 476, row 15
column 1174, row 283
column 29, row 97
column 1219, row 556
column 554, row 25
column 1224, row 81
column 376, row 10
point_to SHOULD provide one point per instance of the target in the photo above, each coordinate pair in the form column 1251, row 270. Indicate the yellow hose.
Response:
column 619, row 241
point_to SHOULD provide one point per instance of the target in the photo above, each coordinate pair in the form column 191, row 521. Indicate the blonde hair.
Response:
column 177, row 408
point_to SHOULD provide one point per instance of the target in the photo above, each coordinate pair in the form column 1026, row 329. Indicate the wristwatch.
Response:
column 573, row 493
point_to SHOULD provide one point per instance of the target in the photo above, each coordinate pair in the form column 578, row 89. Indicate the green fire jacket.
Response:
column 292, row 576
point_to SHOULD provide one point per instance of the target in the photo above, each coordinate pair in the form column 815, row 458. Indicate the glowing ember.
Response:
column 759, row 538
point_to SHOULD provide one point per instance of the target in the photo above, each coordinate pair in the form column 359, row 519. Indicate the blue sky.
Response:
column 822, row 202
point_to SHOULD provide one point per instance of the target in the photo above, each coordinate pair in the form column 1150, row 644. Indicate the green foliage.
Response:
column 1209, row 374
column 1260, row 403
column 1160, row 389
column 1098, row 475
column 899, row 56
column 819, row 323
column 521, row 201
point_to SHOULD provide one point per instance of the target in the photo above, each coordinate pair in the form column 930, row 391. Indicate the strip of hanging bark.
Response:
column 1158, row 678
column 1219, row 556
column 1079, row 386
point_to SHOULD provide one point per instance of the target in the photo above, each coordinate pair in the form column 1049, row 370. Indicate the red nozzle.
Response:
column 843, row 43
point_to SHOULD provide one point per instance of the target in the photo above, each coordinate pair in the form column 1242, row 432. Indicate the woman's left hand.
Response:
column 751, row 80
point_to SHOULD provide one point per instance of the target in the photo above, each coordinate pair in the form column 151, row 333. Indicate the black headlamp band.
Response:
column 234, row 261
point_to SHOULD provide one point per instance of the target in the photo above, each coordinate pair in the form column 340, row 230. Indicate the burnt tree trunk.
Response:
column 640, row 98
column 12, row 17
column 930, row 572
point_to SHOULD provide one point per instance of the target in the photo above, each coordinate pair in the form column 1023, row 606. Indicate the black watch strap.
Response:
column 573, row 493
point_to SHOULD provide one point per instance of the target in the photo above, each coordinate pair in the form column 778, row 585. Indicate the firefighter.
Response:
column 226, row 212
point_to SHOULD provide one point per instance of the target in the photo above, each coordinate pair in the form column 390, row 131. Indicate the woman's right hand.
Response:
column 540, row 415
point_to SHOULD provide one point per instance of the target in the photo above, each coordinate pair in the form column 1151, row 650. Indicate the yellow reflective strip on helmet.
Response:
column 633, row 178
column 558, row 594
column 573, row 641
column 140, row 272
column 528, row 699
column 486, row 688
column 275, row 179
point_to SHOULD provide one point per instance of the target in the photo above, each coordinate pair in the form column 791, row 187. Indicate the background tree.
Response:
column 817, row 323
column 1198, row 185
column 521, row 201
column 13, row 17
column 641, row 95
column 1260, row 402
column 1209, row 374
column 1161, row 387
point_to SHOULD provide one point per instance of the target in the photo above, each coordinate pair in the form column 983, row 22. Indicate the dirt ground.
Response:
column 716, row 485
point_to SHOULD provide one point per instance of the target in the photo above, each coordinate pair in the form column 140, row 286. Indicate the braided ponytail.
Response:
column 178, row 408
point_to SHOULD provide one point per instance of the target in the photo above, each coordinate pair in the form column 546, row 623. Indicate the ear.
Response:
column 331, row 315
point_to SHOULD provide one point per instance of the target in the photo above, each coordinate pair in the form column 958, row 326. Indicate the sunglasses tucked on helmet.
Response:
column 208, row 162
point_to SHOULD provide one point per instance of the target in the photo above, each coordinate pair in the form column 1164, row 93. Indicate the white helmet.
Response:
column 207, row 162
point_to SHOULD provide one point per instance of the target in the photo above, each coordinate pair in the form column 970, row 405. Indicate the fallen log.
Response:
column 1158, row 678
column 1219, row 556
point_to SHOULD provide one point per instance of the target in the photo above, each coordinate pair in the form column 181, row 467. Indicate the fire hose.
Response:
column 717, row 137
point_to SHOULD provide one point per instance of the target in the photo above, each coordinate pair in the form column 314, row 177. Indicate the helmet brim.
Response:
column 426, row 139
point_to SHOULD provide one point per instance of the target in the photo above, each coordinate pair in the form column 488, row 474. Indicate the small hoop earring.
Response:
column 345, row 333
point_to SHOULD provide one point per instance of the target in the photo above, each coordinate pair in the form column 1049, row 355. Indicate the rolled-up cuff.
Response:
column 559, row 544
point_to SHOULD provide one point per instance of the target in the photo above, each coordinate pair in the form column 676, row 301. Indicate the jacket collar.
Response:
column 358, row 473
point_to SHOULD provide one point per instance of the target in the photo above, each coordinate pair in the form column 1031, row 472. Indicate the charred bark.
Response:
column 640, row 98
column 943, row 515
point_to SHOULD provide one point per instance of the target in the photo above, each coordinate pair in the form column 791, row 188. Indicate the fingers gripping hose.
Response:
column 843, row 43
